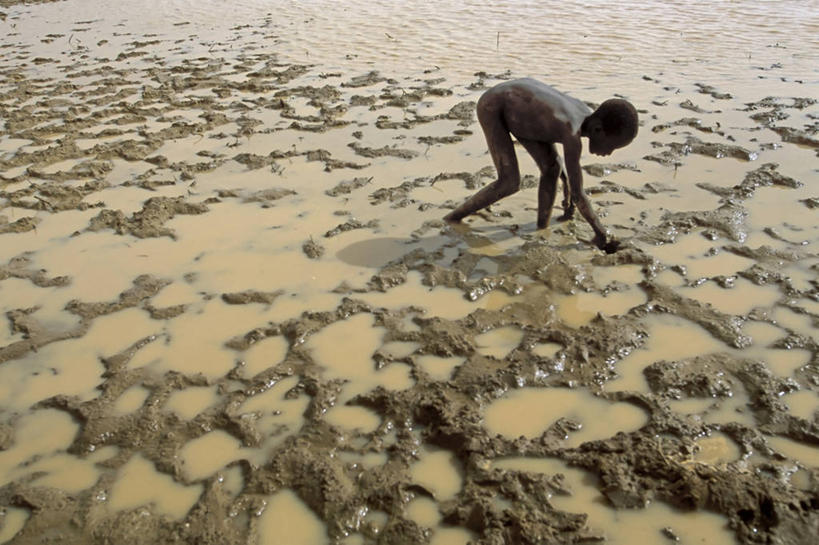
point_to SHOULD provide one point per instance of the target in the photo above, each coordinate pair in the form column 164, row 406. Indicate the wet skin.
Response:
column 539, row 117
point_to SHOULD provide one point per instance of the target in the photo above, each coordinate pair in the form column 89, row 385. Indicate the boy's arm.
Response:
column 571, row 152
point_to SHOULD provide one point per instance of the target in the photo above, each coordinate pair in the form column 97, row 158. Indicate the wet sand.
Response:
column 234, row 315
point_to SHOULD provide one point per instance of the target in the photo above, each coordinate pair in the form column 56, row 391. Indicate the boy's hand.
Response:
column 609, row 246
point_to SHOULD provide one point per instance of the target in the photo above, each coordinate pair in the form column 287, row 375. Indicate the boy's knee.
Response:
column 509, row 186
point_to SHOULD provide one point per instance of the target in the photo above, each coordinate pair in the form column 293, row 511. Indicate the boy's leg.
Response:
column 548, row 161
column 568, row 203
column 490, row 116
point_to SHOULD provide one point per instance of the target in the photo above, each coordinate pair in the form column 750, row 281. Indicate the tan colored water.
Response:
column 191, row 401
column 805, row 454
column 425, row 512
column 285, row 520
column 30, row 442
column 598, row 417
column 345, row 350
column 499, row 342
column 130, row 400
column 437, row 367
column 205, row 455
column 578, row 310
column 12, row 521
column 239, row 246
column 715, row 449
column 438, row 472
column 138, row 483
column 803, row 404
column 670, row 338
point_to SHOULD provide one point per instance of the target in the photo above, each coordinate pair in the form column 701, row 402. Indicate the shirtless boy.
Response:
column 540, row 117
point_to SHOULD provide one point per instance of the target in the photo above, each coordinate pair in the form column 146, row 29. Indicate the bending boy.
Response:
column 540, row 117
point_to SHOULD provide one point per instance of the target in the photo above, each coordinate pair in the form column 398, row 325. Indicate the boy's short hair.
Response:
column 618, row 118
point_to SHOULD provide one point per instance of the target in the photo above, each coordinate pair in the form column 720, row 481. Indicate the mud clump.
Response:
column 350, row 225
column 312, row 249
column 21, row 225
column 266, row 196
column 348, row 186
column 692, row 144
column 148, row 222
column 386, row 151
column 251, row 296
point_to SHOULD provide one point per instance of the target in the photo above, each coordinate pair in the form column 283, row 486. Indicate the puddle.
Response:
column 450, row 536
column 140, row 484
column 443, row 302
column 623, row 526
column 804, row 404
column 437, row 367
column 800, row 323
column 578, row 310
column 544, row 406
column 265, row 354
column 439, row 472
column 374, row 253
column 71, row 367
column 547, row 350
column 187, row 403
column 287, row 520
column 65, row 472
column 12, row 520
column 367, row 461
column 232, row 480
column 807, row 455
column 785, row 362
column 277, row 411
column 194, row 341
column 671, row 339
column 716, row 449
column 499, row 342
column 762, row 333
column 353, row 418
column 423, row 511
column 345, row 349
column 399, row 350
column 739, row 300
column 732, row 409
column 30, row 442
column 130, row 400
column 693, row 252
column 205, row 455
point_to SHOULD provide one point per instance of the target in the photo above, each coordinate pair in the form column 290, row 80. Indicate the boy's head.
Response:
column 613, row 125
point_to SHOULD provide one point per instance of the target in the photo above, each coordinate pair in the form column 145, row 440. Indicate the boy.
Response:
column 540, row 117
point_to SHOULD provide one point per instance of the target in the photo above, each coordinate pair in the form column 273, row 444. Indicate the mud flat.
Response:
column 234, row 315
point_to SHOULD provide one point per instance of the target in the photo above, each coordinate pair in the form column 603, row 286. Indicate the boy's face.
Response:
column 602, row 144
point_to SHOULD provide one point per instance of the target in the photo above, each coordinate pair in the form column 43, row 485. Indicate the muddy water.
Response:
column 233, row 314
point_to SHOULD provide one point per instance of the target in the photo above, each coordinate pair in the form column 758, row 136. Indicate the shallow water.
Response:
column 240, row 344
